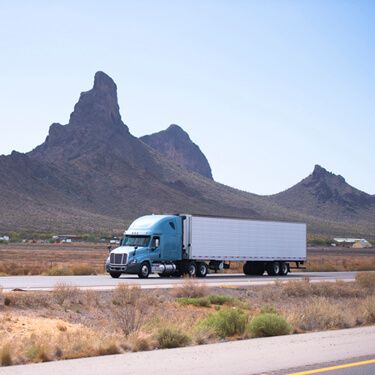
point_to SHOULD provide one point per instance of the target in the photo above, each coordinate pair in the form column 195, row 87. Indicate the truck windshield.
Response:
column 141, row 241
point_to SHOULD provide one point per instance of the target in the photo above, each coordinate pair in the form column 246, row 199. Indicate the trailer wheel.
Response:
column 283, row 269
column 259, row 268
column 144, row 271
column 115, row 275
column 202, row 270
column 246, row 268
column 192, row 269
column 273, row 268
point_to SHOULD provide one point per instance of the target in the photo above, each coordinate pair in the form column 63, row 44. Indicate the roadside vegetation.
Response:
column 71, row 323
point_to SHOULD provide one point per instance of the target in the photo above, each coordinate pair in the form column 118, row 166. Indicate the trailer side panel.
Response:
column 237, row 239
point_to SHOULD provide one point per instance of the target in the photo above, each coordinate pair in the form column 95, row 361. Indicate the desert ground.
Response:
column 88, row 259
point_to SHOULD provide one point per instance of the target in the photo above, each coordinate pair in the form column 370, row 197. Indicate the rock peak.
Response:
column 98, row 106
column 321, row 173
column 103, row 81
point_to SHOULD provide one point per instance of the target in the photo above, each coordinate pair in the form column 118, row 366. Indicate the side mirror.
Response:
column 157, row 242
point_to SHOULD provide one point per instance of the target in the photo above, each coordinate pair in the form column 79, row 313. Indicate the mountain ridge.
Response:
column 92, row 174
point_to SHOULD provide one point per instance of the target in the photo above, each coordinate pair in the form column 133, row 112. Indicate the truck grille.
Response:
column 118, row 258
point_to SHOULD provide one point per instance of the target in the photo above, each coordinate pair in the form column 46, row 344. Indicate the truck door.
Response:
column 156, row 246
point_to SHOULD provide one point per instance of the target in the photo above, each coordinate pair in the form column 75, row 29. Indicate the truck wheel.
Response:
column 259, row 268
column 246, row 268
column 283, row 269
column 192, row 269
column 115, row 275
column 202, row 270
column 144, row 271
column 273, row 269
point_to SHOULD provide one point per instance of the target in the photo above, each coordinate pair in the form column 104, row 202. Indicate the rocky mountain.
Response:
column 325, row 194
column 175, row 144
column 93, row 175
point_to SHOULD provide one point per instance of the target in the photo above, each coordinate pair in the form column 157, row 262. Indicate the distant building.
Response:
column 5, row 238
column 66, row 238
column 356, row 243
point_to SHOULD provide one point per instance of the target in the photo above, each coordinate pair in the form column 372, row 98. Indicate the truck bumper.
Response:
column 123, row 268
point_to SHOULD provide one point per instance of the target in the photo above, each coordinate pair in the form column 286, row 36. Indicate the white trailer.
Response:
column 262, row 245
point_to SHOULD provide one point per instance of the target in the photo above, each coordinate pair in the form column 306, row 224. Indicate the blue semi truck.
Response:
column 173, row 245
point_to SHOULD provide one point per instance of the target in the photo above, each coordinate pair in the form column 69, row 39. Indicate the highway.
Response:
column 301, row 354
column 104, row 282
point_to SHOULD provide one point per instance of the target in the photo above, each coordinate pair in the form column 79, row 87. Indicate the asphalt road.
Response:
column 272, row 355
column 353, row 366
column 103, row 282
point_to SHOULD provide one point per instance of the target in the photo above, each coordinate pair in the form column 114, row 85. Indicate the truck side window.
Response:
column 171, row 223
column 156, row 242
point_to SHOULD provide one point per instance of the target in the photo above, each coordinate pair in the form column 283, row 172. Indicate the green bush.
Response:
column 195, row 301
column 214, row 299
column 227, row 322
column 172, row 338
column 220, row 299
column 269, row 324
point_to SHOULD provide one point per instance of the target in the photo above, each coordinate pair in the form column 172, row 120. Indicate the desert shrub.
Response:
column 83, row 269
column 304, row 288
column 225, row 323
column 190, row 288
column 124, row 294
column 170, row 337
column 130, row 308
column 195, row 301
column 214, row 299
column 141, row 343
column 366, row 280
column 5, row 356
column 65, row 293
column 37, row 352
column 220, row 299
column 28, row 299
column 369, row 305
column 321, row 314
column 128, row 318
column 268, row 309
column 297, row 288
column 108, row 349
column 58, row 270
column 269, row 324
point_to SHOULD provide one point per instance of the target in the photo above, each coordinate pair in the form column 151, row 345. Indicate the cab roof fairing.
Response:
column 147, row 225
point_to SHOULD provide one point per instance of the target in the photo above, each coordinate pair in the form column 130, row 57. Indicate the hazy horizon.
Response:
column 266, row 89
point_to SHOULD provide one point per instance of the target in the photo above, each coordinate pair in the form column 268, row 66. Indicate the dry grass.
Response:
column 52, row 259
column 366, row 280
column 72, row 323
column 318, row 263
column 190, row 288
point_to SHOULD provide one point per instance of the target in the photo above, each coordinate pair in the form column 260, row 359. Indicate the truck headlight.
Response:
column 133, row 261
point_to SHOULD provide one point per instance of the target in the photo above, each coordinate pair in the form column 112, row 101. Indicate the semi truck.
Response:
column 174, row 245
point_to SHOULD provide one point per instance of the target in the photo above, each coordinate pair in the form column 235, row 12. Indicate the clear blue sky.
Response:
column 267, row 89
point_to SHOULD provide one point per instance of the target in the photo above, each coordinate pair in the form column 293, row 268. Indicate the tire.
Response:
column 273, row 268
column 284, row 269
column 246, row 268
column 259, row 268
column 253, row 268
column 144, row 271
column 115, row 275
column 202, row 269
column 192, row 269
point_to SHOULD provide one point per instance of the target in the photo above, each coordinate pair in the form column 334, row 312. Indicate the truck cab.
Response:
column 152, row 243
